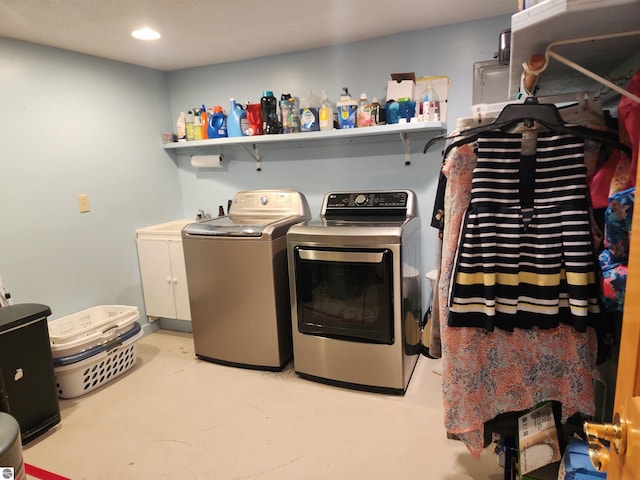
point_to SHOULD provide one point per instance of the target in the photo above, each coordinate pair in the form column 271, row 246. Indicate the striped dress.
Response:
column 525, row 257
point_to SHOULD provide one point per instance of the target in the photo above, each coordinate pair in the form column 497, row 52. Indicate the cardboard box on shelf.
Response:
column 401, row 85
column 539, row 451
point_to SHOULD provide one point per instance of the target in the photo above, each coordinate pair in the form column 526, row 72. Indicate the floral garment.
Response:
column 615, row 255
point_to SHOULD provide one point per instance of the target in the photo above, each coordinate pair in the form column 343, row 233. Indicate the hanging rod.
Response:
column 532, row 72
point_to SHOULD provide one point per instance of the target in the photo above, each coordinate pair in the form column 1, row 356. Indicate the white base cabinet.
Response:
column 162, row 268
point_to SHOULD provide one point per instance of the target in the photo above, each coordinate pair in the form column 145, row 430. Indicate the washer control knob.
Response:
column 360, row 200
column 264, row 200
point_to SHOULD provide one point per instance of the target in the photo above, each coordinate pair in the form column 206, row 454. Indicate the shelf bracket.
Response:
column 406, row 143
column 255, row 154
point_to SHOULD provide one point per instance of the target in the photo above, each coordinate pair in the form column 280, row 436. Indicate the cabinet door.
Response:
column 180, row 290
column 157, row 279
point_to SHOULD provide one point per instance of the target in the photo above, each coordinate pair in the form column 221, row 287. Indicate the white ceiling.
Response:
column 206, row 32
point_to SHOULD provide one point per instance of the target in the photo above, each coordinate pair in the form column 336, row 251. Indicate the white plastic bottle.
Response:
column 309, row 113
column 347, row 108
column 432, row 104
column 181, row 127
column 364, row 111
column 326, row 113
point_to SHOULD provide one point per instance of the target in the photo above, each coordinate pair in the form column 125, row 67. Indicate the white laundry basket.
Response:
column 89, row 328
column 83, row 372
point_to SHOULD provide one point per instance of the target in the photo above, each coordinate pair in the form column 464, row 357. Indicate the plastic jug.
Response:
column 237, row 123
column 217, row 123
column 309, row 113
column 254, row 119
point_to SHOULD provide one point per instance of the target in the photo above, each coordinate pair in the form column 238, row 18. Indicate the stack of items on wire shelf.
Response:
column 534, row 211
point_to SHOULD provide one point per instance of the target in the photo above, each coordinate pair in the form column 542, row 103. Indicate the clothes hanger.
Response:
column 545, row 114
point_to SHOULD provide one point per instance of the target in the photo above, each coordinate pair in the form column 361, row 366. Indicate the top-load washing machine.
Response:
column 238, row 280
column 356, row 291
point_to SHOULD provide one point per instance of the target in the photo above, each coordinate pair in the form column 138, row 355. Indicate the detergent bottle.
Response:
column 197, row 124
column 309, row 113
column 189, row 125
column 217, row 123
column 205, row 122
column 269, row 110
column 237, row 119
column 347, row 109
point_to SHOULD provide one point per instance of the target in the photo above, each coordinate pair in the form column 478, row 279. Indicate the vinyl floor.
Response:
column 175, row 416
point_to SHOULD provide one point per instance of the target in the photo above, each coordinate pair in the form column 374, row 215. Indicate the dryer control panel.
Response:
column 382, row 203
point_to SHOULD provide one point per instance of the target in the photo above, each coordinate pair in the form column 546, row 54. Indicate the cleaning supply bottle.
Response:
column 217, row 123
column 197, row 125
column 377, row 116
column 289, row 114
column 189, row 125
column 364, row 111
column 309, row 113
column 269, row 109
column 204, row 117
column 236, row 120
column 432, row 103
column 181, row 127
column 347, row 108
column 326, row 113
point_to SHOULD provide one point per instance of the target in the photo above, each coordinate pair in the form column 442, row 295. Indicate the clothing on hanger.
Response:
column 525, row 256
column 486, row 373
column 530, row 113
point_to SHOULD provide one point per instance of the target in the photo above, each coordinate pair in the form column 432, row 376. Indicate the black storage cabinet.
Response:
column 27, row 380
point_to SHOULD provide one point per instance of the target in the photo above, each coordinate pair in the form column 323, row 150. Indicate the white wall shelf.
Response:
column 534, row 28
column 402, row 133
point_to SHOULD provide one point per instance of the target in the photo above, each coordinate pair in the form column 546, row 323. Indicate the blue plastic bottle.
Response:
column 217, row 123
column 236, row 119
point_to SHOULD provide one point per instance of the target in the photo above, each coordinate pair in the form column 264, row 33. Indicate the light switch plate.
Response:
column 83, row 203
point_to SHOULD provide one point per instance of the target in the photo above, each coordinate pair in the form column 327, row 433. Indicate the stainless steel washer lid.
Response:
column 224, row 227
column 255, row 213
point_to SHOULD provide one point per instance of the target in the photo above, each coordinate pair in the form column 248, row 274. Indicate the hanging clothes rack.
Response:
column 536, row 65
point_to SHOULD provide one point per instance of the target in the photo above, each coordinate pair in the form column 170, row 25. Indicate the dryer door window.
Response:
column 345, row 293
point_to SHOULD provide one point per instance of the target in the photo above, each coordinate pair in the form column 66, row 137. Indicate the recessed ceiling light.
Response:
column 145, row 34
